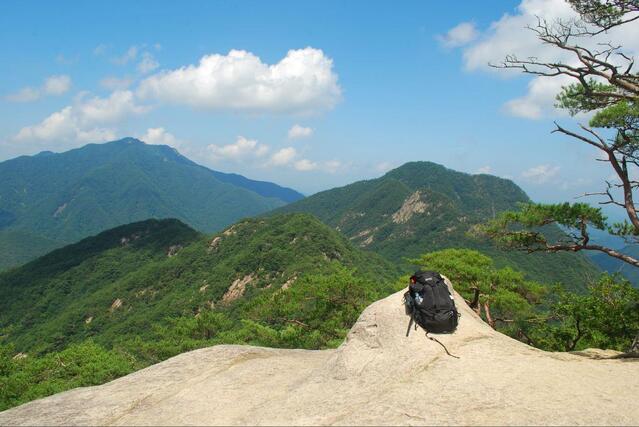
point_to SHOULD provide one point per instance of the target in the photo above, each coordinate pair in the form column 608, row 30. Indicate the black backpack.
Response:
column 429, row 303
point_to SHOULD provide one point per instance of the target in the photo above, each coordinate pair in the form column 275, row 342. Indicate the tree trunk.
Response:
column 634, row 348
column 475, row 302
column 489, row 318
column 574, row 342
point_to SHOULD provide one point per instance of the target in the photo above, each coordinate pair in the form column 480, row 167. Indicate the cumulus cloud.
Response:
column 460, row 35
column 117, row 106
column 159, row 136
column 242, row 148
column 298, row 132
column 539, row 100
column 57, row 85
column 148, row 63
column 64, row 126
column 509, row 35
column 53, row 85
column 485, row 169
column 540, row 174
column 250, row 151
column 83, row 121
column 302, row 82
column 283, row 157
column 305, row 165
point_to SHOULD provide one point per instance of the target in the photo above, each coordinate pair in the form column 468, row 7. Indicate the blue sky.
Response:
column 382, row 83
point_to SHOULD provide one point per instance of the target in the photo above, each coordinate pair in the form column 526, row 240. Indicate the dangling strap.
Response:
column 410, row 323
column 412, row 320
column 438, row 342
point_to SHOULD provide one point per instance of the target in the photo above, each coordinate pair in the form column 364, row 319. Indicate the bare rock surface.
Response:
column 377, row 377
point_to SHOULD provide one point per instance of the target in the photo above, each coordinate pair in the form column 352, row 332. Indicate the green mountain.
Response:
column 49, row 199
column 613, row 265
column 119, row 287
column 263, row 188
column 423, row 206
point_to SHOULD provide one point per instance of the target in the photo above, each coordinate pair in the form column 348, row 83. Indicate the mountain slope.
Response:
column 373, row 378
column 263, row 188
column 123, row 284
column 613, row 265
column 423, row 206
column 61, row 198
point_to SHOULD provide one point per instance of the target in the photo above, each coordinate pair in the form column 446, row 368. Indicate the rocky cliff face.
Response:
column 378, row 376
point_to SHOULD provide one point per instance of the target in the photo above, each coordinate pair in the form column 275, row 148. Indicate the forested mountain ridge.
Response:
column 123, row 284
column 50, row 199
column 422, row 206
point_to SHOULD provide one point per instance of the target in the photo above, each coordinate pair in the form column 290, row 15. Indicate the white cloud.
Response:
column 116, row 83
column 540, row 174
column 57, row 85
column 283, row 156
column 148, row 63
column 128, row 56
column 117, row 106
column 539, row 100
column 83, row 121
column 298, row 132
column 302, row 82
column 459, row 35
column 63, row 126
column 57, row 125
column 524, row 107
column 241, row 149
column 250, row 151
column 383, row 167
column 485, row 169
column 332, row 166
column 159, row 136
column 509, row 35
column 27, row 94
column 305, row 165
column 53, row 85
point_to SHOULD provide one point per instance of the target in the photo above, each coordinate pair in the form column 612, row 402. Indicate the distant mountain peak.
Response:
column 44, row 153
column 59, row 198
column 128, row 140
column 423, row 206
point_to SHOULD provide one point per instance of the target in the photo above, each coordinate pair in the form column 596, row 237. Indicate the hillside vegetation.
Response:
column 124, row 282
column 140, row 293
column 422, row 206
column 379, row 376
column 50, row 200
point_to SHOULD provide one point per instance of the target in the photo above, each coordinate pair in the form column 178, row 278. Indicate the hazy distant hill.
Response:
column 613, row 265
column 423, row 206
column 52, row 199
column 263, row 188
